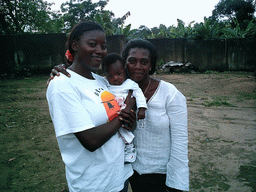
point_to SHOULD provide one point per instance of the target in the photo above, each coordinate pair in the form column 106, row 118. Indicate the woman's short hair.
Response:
column 110, row 59
column 144, row 44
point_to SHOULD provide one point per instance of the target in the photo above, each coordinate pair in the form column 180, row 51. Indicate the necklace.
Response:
column 147, row 86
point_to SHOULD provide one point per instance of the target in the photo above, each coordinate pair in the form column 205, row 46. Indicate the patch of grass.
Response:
column 20, row 89
column 240, row 73
column 228, row 118
column 247, row 96
column 247, row 174
column 191, row 95
column 211, row 72
column 30, row 157
column 218, row 102
column 207, row 178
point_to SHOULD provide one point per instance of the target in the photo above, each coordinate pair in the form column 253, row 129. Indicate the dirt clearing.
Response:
column 221, row 126
column 222, row 130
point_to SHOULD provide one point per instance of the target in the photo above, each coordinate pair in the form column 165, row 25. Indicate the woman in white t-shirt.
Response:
column 86, row 117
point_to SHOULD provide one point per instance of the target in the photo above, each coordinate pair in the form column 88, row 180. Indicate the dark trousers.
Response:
column 126, row 184
column 148, row 182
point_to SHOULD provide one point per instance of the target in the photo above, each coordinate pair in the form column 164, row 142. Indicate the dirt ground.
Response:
column 222, row 139
column 222, row 130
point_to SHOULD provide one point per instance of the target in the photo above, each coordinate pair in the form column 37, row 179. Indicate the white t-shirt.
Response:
column 77, row 104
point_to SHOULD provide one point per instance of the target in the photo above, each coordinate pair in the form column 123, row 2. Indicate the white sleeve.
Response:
column 177, row 167
column 140, row 98
column 68, row 113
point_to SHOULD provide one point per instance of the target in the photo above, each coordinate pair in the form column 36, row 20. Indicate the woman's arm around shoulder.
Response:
column 61, row 68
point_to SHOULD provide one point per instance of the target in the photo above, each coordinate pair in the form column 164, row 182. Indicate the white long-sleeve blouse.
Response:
column 161, row 140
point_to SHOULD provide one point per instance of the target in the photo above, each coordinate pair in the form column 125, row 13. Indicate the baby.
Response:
column 119, row 85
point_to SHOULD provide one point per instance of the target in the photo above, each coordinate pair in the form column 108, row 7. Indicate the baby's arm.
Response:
column 141, row 113
column 138, row 94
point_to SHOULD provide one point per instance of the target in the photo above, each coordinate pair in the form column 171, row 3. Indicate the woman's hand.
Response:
column 55, row 72
column 127, row 115
column 130, row 101
column 128, row 119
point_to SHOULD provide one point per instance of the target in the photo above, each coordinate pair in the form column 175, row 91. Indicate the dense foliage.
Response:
column 19, row 16
column 230, row 19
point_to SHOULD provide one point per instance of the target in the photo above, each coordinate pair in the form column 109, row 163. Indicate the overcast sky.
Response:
column 153, row 13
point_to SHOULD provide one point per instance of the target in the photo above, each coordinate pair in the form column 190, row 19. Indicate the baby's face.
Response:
column 116, row 73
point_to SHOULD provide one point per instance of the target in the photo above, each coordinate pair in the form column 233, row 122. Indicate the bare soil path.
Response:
column 222, row 130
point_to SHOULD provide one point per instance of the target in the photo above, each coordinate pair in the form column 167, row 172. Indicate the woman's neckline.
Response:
column 155, row 91
column 81, row 76
column 82, row 72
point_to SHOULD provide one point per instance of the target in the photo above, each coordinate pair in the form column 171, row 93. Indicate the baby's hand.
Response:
column 141, row 113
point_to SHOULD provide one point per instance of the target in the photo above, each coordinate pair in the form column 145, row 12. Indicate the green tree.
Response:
column 20, row 16
column 75, row 11
column 241, row 11
column 163, row 31
column 154, row 31
column 104, row 18
column 53, row 25
column 206, row 30
column 143, row 32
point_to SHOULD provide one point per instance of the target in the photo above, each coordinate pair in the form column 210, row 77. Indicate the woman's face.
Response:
column 138, row 64
column 91, row 49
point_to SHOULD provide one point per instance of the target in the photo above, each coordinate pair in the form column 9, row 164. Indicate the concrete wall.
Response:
column 220, row 55
column 36, row 52
column 115, row 43
column 241, row 54
column 170, row 49
column 206, row 54
column 40, row 53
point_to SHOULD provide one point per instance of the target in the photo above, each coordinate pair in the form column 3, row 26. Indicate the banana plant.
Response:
column 237, row 32
column 111, row 25
column 181, row 31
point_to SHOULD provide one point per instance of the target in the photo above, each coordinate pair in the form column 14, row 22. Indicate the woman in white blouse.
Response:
column 161, row 139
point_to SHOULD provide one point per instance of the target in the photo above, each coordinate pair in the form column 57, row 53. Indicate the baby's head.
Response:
column 114, row 69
